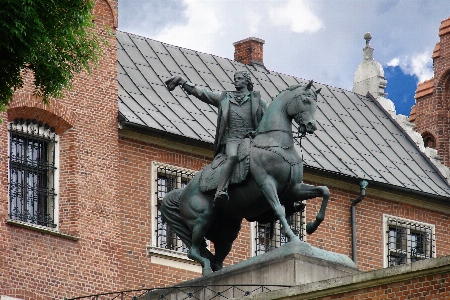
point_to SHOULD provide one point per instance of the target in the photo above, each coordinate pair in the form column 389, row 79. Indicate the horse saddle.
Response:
column 209, row 177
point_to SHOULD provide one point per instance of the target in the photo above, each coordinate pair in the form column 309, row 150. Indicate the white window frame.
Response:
column 274, row 243
column 408, row 223
column 157, row 254
column 53, row 180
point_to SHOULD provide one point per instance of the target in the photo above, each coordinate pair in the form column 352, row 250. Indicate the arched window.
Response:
column 33, row 166
column 429, row 140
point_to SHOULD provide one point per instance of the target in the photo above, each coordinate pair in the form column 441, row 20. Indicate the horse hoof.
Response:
column 216, row 267
column 206, row 271
column 310, row 228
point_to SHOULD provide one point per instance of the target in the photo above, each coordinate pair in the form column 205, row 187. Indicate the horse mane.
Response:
column 289, row 88
column 292, row 87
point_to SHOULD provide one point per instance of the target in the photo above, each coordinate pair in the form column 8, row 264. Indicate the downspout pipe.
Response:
column 362, row 193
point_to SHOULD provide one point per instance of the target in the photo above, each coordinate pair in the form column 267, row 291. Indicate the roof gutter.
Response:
column 362, row 193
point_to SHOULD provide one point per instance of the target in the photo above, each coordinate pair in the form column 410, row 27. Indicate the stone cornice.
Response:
column 360, row 281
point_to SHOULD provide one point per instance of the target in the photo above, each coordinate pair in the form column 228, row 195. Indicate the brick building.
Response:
column 431, row 114
column 59, row 232
column 81, row 179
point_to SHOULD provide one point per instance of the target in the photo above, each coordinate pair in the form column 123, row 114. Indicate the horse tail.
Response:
column 170, row 211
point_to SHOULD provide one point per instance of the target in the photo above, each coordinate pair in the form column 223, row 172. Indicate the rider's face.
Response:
column 240, row 82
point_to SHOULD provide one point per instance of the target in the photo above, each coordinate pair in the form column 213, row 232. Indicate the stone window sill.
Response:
column 42, row 229
column 172, row 258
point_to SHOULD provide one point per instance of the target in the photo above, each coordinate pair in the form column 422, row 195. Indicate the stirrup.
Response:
column 220, row 198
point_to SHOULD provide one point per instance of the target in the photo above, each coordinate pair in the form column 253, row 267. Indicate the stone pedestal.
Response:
column 293, row 264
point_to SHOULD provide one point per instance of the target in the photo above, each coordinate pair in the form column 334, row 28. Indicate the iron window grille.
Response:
column 264, row 244
column 32, row 173
column 168, row 179
column 408, row 241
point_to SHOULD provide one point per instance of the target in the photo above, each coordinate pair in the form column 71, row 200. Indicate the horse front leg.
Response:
column 270, row 192
column 305, row 191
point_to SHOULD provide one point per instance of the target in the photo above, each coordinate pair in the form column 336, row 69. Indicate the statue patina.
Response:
column 239, row 113
column 266, row 182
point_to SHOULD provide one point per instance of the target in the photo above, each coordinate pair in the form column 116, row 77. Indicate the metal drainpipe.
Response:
column 362, row 193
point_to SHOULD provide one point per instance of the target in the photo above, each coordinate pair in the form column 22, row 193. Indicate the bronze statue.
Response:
column 239, row 113
column 270, row 183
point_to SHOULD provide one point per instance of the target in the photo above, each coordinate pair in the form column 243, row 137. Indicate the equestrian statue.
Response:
column 256, row 174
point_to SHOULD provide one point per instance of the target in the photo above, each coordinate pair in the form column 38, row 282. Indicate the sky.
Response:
column 311, row 39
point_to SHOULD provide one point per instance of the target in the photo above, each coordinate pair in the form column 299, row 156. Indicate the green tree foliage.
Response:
column 53, row 38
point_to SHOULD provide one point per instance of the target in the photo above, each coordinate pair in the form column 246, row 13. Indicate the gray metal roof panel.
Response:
column 355, row 136
column 143, row 46
column 127, row 84
column 196, row 62
column 192, row 75
column 159, row 68
column 178, row 56
column 124, row 59
column 170, row 64
column 219, row 73
column 158, row 47
column 149, row 74
column 211, row 80
column 138, row 79
column 227, row 66
column 135, row 55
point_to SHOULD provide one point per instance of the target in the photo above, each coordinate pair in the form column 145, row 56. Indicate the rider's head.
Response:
column 246, row 75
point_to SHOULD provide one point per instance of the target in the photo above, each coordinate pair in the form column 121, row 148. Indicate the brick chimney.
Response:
column 249, row 50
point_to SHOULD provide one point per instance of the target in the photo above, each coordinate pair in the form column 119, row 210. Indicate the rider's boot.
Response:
column 222, row 188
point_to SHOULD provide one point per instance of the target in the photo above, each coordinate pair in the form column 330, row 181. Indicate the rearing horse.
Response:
column 273, row 186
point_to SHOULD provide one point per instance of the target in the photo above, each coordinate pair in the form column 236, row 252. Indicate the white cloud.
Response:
column 394, row 62
column 421, row 66
column 200, row 30
column 297, row 15
column 253, row 25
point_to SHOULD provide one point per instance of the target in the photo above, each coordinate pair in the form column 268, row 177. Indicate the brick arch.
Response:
column 55, row 114
column 444, row 80
column 429, row 139
column 102, row 9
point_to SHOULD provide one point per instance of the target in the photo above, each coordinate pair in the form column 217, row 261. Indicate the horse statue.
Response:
column 273, row 187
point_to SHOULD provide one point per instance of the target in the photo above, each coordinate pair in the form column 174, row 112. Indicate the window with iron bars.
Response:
column 408, row 241
column 263, row 243
column 169, row 178
column 32, row 169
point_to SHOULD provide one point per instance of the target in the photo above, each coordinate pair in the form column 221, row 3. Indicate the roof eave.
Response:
column 382, row 186
column 163, row 134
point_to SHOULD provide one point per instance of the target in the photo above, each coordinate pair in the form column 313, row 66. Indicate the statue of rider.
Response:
column 239, row 113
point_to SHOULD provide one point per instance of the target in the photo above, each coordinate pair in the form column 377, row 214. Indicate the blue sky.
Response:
column 310, row 39
column 400, row 88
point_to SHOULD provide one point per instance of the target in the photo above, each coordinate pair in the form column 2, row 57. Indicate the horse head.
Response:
column 302, row 107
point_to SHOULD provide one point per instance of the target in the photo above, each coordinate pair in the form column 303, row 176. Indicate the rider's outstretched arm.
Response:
column 201, row 94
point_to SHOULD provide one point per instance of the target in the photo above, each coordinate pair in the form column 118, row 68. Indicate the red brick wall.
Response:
column 136, row 158
column 334, row 234
column 423, row 288
column 433, row 109
column 37, row 265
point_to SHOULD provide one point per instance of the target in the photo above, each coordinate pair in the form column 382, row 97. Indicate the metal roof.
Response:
column 356, row 137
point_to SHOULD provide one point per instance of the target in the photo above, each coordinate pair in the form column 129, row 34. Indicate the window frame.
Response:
column 410, row 227
column 46, row 134
column 158, row 254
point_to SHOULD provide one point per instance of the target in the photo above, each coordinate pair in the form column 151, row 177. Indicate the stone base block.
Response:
column 293, row 264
